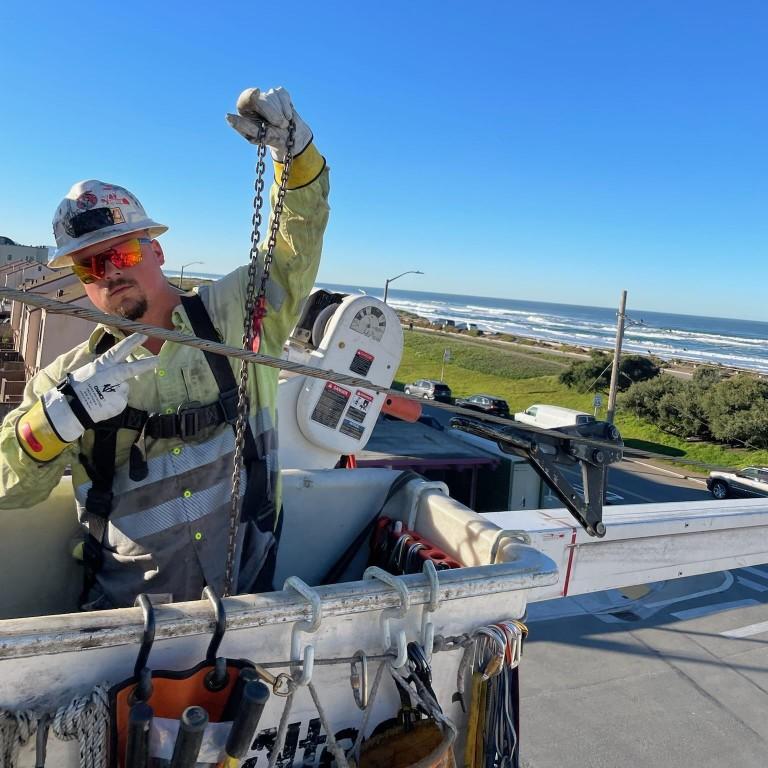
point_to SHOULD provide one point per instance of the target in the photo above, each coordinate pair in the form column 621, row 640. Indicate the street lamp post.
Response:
column 392, row 279
column 183, row 267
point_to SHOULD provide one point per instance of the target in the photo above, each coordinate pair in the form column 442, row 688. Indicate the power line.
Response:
column 177, row 337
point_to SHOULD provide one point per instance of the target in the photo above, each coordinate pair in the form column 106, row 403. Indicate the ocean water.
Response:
column 714, row 340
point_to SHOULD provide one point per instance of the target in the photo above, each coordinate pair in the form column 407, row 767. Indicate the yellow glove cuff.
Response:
column 305, row 168
column 37, row 437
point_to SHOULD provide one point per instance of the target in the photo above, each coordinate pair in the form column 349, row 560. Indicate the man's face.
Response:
column 128, row 291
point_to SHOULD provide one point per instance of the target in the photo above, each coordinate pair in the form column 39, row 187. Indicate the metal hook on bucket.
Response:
column 216, row 679
column 401, row 643
column 141, row 673
column 308, row 659
column 427, row 627
column 359, row 680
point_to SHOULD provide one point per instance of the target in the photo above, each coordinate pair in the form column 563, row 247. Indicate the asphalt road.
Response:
column 673, row 673
column 638, row 482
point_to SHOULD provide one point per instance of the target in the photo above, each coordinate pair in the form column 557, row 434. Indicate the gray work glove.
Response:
column 274, row 108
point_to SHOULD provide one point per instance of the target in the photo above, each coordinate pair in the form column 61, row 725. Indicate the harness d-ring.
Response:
column 216, row 679
column 374, row 572
column 307, row 659
column 141, row 673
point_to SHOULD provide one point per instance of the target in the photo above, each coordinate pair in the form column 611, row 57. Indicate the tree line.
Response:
column 710, row 406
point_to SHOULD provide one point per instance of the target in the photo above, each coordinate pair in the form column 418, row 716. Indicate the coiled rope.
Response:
column 85, row 718
column 16, row 729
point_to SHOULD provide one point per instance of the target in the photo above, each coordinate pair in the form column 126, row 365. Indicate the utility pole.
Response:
column 616, row 359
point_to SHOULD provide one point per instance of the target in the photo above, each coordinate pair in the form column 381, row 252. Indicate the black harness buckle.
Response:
column 188, row 419
column 228, row 403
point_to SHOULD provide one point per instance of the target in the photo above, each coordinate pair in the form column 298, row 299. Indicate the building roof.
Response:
column 6, row 241
column 396, row 443
column 46, row 284
column 12, row 266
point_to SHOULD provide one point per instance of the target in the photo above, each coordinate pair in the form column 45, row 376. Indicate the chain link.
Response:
column 255, row 309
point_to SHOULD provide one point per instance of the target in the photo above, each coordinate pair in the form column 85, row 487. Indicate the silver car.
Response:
column 429, row 389
column 751, row 481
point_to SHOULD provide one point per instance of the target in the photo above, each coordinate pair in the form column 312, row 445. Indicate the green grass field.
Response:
column 523, row 379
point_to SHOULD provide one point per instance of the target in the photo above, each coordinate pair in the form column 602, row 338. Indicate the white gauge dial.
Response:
column 370, row 321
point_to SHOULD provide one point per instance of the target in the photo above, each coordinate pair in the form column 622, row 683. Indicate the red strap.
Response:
column 259, row 313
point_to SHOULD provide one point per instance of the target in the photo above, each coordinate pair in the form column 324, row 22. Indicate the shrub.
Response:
column 736, row 410
column 595, row 373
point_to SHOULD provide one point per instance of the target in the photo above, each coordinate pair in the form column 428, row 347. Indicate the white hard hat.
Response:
column 93, row 212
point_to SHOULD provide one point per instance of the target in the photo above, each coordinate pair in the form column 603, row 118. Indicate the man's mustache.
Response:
column 121, row 284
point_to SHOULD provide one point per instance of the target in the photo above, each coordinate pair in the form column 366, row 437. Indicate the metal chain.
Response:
column 255, row 309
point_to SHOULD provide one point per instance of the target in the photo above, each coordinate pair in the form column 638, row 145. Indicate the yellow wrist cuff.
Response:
column 305, row 167
column 37, row 437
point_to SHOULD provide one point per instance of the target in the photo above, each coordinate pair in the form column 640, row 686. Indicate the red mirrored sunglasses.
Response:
column 122, row 256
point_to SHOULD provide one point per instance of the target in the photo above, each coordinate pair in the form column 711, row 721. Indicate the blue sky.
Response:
column 555, row 151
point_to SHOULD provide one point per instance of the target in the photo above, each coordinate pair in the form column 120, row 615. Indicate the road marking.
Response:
column 752, row 584
column 636, row 495
column 748, row 630
column 727, row 584
column 668, row 471
column 756, row 572
column 706, row 610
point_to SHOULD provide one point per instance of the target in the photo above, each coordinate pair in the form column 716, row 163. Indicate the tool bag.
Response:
column 214, row 684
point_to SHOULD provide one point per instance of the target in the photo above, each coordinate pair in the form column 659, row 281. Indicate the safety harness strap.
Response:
column 258, row 504
column 187, row 422
column 219, row 365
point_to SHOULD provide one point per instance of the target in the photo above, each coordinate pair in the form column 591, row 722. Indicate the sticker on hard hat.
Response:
column 86, row 200
column 117, row 216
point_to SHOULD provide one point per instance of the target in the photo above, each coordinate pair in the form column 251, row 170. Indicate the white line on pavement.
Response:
column 726, row 584
column 668, row 471
column 752, row 584
column 706, row 610
column 756, row 572
column 636, row 495
column 748, row 630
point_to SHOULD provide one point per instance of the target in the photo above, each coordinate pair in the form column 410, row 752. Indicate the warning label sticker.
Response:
column 331, row 405
column 358, row 408
column 361, row 362
column 351, row 429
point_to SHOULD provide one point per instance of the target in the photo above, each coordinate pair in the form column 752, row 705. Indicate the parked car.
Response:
column 484, row 403
column 750, row 481
column 553, row 416
column 429, row 389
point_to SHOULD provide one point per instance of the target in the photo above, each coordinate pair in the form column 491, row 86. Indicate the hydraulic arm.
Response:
column 592, row 446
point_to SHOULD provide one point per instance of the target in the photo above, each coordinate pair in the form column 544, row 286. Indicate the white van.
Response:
column 553, row 416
